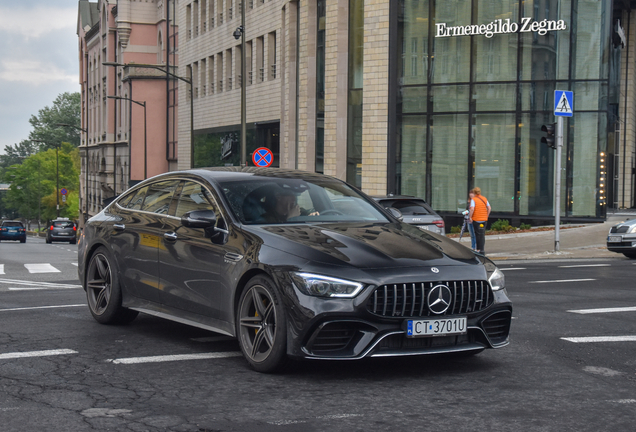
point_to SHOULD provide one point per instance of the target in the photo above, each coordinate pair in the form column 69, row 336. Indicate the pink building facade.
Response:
column 129, row 102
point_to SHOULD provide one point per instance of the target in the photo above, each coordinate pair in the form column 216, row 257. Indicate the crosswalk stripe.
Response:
column 38, row 284
column 600, row 339
column 166, row 358
column 1, row 268
column 36, row 353
column 41, row 268
column 604, row 310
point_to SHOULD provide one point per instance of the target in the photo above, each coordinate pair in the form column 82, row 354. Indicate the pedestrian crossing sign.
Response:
column 563, row 103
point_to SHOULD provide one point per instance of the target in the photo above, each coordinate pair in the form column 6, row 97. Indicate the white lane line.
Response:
column 41, row 307
column 512, row 268
column 42, row 288
column 562, row 280
column 2, row 269
column 75, row 264
column 178, row 357
column 604, row 310
column 41, row 268
column 36, row 354
column 37, row 284
column 601, row 339
column 586, row 265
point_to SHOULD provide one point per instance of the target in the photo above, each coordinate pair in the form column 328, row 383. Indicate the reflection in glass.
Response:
column 450, row 162
column 495, row 97
column 450, row 98
column 412, row 166
column 495, row 58
column 585, row 151
column 537, row 167
column 452, row 54
column 494, row 150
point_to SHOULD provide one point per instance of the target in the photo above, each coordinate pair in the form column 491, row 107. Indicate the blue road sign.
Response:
column 63, row 191
column 563, row 103
column 262, row 157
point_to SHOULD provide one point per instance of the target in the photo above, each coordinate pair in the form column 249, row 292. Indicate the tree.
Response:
column 65, row 110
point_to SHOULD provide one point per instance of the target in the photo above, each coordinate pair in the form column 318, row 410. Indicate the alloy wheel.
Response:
column 99, row 284
column 258, row 323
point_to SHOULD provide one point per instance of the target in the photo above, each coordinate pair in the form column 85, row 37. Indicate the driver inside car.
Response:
column 284, row 207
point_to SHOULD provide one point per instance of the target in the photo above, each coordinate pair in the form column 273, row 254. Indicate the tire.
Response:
column 103, row 290
column 631, row 255
column 261, row 326
column 48, row 240
column 74, row 241
column 23, row 241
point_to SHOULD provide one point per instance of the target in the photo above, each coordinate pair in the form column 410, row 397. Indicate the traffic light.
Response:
column 549, row 137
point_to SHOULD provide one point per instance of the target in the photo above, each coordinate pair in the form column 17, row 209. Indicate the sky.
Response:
column 38, row 61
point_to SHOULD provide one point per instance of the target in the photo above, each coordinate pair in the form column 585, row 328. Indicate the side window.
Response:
column 123, row 203
column 138, row 199
column 194, row 196
column 159, row 196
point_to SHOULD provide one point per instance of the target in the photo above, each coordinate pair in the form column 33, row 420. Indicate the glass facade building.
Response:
column 474, row 82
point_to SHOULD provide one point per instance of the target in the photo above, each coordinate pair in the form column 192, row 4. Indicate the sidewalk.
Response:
column 587, row 241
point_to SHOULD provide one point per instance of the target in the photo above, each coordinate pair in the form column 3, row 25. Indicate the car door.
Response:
column 190, row 260
column 136, row 238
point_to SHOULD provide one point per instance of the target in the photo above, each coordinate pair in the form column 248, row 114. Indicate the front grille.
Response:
column 332, row 337
column 621, row 229
column 410, row 299
column 497, row 326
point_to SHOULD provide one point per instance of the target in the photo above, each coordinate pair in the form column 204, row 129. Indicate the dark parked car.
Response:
column 415, row 211
column 293, row 264
column 62, row 229
column 12, row 230
column 622, row 238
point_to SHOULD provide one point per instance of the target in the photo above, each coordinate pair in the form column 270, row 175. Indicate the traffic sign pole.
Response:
column 557, row 186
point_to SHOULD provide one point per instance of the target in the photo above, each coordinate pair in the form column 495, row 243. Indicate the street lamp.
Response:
column 57, row 174
column 240, row 33
column 167, row 72
column 143, row 104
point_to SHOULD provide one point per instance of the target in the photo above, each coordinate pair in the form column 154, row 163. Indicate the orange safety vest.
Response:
column 481, row 209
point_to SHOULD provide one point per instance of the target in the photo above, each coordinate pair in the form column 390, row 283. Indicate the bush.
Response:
column 456, row 230
column 525, row 226
column 502, row 225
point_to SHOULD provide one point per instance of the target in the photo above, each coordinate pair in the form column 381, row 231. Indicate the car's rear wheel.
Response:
column 261, row 326
column 22, row 240
column 103, row 290
column 74, row 241
column 631, row 255
column 48, row 240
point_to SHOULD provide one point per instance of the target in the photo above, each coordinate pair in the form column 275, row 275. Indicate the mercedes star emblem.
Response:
column 439, row 299
column 434, row 269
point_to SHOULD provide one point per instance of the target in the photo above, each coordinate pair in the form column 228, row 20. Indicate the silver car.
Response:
column 415, row 211
column 622, row 238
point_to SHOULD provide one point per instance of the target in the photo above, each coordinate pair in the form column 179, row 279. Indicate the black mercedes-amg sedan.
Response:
column 295, row 265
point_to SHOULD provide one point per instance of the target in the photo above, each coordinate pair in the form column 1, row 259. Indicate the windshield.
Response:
column 276, row 201
column 12, row 224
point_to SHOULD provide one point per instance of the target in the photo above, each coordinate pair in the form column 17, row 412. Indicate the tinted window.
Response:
column 63, row 224
column 159, row 196
column 409, row 207
column 194, row 196
column 12, row 224
column 138, row 200
column 258, row 201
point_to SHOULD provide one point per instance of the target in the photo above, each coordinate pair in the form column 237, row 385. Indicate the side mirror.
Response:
column 396, row 213
column 199, row 219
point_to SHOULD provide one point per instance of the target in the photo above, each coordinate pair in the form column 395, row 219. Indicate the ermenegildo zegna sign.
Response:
column 500, row 27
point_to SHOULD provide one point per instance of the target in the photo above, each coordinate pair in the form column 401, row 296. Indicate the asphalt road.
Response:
column 60, row 370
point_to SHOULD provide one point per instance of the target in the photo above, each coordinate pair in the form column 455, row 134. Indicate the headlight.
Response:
column 324, row 286
column 497, row 280
column 633, row 230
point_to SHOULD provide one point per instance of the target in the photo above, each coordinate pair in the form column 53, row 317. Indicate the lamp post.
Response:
column 85, row 166
column 240, row 33
column 167, row 72
column 143, row 104
column 57, row 175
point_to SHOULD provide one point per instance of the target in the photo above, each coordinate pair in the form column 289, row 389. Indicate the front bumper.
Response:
column 359, row 334
column 627, row 243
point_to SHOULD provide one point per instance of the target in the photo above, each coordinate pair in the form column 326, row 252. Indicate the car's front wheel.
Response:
column 103, row 290
column 261, row 326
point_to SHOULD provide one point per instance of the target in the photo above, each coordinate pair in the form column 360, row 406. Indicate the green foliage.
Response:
column 525, row 226
column 456, row 230
column 65, row 110
column 502, row 225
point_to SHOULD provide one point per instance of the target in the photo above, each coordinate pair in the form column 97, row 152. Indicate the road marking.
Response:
column 562, row 280
column 41, row 307
column 2, row 269
column 36, row 354
column 178, row 357
column 75, row 264
column 41, row 268
column 49, row 285
column 512, row 268
column 604, row 310
column 42, row 288
column 586, row 265
column 601, row 339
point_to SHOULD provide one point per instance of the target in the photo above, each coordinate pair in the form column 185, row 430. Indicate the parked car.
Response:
column 415, row 211
column 294, row 264
column 62, row 229
column 12, row 230
column 622, row 238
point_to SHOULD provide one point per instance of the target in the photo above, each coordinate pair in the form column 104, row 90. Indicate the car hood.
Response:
column 365, row 245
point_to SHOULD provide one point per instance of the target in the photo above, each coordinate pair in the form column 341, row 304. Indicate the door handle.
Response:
column 172, row 236
column 119, row 227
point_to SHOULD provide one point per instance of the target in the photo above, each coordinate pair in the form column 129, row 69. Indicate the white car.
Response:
column 622, row 238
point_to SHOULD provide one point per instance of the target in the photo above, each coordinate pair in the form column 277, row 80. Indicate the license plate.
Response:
column 615, row 239
column 436, row 327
